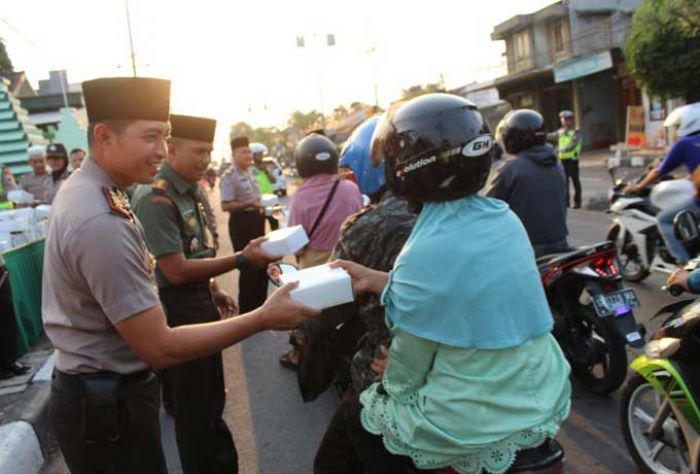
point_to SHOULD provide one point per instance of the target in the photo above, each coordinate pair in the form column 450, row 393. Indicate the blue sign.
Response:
column 581, row 67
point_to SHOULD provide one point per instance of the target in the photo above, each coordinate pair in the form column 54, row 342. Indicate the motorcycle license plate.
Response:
column 615, row 304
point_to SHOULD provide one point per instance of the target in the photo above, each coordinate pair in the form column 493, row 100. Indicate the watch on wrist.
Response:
column 241, row 261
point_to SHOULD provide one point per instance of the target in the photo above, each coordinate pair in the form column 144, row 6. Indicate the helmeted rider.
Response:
column 686, row 151
column 532, row 182
column 457, row 334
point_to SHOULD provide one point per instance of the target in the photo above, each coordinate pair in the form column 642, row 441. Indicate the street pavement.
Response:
column 277, row 433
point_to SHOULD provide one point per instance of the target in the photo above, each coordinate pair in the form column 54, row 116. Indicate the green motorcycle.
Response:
column 660, row 406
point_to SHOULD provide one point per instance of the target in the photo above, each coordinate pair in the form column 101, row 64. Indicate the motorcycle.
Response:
column 660, row 406
column 593, row 314
column 634, row 230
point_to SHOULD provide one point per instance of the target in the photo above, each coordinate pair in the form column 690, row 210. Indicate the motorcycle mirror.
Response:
column 276, row 270
column 685, row 227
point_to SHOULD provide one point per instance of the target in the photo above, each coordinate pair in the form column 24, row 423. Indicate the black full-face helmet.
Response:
column 520, row 130
column 316, row 154
column 436, row 147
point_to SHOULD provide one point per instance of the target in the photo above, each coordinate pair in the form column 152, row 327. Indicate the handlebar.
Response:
column 674, row 290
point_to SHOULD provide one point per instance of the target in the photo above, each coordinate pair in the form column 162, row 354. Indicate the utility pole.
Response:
column 131, row 40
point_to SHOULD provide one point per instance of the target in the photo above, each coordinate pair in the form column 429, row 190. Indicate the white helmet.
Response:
column 258, row 148
column 686, row 118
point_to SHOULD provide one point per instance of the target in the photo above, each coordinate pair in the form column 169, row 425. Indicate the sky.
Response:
column 238, row 61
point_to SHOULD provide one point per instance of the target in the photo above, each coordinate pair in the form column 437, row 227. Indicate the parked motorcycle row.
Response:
column 594, row 322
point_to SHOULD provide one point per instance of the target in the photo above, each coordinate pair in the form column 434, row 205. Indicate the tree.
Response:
column 340, row 112
column 303, row 121
column 269, row 136
column 241, row 129
column 415, row 91
column 5, row 62
column 662, row 49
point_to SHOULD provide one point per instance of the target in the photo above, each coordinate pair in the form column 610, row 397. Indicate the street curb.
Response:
column 25, row 440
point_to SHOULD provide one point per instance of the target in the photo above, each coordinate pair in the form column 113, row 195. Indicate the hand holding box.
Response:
column 321, row 287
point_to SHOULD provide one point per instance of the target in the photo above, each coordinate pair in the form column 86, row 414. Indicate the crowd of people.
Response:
column 436, row 366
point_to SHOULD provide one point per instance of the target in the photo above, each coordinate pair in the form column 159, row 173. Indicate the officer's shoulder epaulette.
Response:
column 118, row 202
column 160, row 185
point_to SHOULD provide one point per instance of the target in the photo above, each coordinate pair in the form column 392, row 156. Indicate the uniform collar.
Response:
column 92, row 169
column 240, row 170
column 182, row 186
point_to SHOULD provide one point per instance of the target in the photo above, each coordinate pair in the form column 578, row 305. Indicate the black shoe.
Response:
column 577, row 206
column 18, row 369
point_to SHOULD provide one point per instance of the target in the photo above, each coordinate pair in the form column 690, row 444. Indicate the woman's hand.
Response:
column 680, row 278
column 364, row 280
column 379, row 365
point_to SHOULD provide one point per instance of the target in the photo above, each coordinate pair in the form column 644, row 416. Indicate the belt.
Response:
column 124, row 379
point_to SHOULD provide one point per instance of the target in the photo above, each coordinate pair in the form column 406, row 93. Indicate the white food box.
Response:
column 42, row 212
column 20, row 196
column 269, row 200
column 321, row 287
column 285, row 241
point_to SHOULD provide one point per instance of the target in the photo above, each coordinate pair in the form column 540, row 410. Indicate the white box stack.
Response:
column 321, row 287
column 285, row 241
column 269, row 200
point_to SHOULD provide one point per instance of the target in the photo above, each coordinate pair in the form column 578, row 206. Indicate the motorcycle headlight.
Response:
column 662, row 348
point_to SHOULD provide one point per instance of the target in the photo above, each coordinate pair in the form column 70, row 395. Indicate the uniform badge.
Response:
column 160, row 184
column 192, row 222
column 118, row 202
column 194, row 245
column 151, row 265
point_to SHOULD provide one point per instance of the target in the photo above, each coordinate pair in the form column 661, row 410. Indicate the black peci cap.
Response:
column 239, row 142
column 127, row 98
column 192, row 128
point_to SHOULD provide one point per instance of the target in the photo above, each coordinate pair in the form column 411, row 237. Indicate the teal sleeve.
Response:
column 694, row 281
column 410, row 361
column 159, row 219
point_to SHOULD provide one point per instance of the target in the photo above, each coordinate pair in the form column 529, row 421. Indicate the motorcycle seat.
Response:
column 575, row 253
column 545, row 459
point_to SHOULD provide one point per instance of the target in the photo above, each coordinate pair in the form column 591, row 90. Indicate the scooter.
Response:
column 634, row 230
column 593, row 314
column 660, row 405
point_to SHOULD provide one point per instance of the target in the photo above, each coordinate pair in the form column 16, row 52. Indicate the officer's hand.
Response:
column 281, row 312
column 225, row 304
column 679, row 277
column 256, row 256
column 364, row 280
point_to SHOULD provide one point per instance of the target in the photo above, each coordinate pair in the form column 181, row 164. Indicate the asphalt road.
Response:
column 276, row 433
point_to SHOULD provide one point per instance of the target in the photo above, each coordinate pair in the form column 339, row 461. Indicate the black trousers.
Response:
column 571, row 169
column 105, row 431
column 196, row 390
column 8, row 323
column 252, row 284
column 347, row 448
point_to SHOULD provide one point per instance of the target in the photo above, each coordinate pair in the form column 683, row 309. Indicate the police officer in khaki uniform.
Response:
column 100, row 304
column 38, row 182
column 175, row 224
column 240, row 196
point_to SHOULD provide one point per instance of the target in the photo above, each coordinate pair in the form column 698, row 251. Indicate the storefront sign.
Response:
column 635, row 136
column 584, row 66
